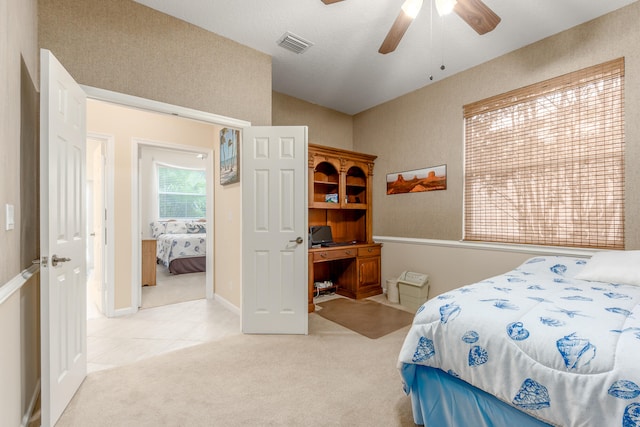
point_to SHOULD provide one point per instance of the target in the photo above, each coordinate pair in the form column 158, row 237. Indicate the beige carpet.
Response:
column 173, row 288
column 366, row 317
column 332, row 377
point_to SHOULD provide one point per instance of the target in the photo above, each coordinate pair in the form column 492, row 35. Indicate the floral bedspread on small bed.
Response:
column 179, row 239
column 564, row 350
column 172, row 246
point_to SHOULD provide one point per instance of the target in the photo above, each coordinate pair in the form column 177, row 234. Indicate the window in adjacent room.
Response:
column 544, row 164
column 182, row 193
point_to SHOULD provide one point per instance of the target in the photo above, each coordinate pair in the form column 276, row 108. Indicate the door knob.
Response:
column 55, row 260
column 298, row 240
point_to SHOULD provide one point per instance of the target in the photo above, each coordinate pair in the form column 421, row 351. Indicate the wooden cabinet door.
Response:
column 368, row 272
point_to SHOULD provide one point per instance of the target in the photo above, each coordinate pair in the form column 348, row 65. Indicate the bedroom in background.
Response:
column 173, row 224
column 156, row 140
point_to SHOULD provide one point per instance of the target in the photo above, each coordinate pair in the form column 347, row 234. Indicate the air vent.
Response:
column 295, row 44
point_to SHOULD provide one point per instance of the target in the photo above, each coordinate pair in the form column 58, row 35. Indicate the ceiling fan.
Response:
column 473, row 12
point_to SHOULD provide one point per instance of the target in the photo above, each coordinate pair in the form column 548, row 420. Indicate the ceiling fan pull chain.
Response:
column 442, row 40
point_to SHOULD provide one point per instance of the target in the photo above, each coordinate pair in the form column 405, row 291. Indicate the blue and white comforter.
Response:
column 172, row 246
column 566, row 351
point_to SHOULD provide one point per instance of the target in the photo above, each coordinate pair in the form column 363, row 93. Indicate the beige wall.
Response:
column 448, row 267
column 10, row 363
column 326, row 127
column 125, row 47
column 19, row 354
column 125, row 124
column 425, row 128
column 18, row 43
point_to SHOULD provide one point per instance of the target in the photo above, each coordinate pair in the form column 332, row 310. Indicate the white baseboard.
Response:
column 227, row 304
column 26, row 418
column 124, row 311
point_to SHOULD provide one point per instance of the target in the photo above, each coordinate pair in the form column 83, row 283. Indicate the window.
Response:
column 544, row 164
column 182, row 193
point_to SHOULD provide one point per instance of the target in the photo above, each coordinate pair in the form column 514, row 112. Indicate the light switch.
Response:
column 10, row 220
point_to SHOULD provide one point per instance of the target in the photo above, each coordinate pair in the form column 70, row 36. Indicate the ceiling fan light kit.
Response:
column 445, row 7
column 412, row 7
column 474, row 12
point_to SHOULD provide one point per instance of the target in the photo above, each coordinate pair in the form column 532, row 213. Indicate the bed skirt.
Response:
column 188, row 265
column 439, row 399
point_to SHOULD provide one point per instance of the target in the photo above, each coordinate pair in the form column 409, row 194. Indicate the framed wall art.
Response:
column 417, row 180
column 229, row 155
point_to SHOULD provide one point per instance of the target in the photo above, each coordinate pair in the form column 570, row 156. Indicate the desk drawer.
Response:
column 334, row 254
column 369, row 251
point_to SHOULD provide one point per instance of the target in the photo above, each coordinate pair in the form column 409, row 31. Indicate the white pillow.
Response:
column 620, row 267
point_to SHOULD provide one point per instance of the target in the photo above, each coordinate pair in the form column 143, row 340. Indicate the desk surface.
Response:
column 344, row 252
column 332, row 248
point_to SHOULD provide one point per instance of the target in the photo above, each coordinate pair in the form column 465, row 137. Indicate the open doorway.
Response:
column 123, row 291
column 111, row 341
column 173, row 222
column 167, row 140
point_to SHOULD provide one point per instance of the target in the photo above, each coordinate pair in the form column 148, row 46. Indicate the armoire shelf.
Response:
column 340, row 188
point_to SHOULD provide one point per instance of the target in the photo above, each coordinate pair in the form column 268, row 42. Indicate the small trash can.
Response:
column 392, row 291
column 413, row 295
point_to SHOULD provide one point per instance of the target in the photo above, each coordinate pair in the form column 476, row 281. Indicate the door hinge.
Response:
column 41, row 262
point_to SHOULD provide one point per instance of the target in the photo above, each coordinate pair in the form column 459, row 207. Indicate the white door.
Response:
column 62, row 237
column 274, row 230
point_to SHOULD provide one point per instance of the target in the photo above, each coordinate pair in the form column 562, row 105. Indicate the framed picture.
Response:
column 229, row 152
column 417, row 180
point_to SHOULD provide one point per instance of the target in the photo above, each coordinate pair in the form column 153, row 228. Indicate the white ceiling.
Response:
column 343, row 69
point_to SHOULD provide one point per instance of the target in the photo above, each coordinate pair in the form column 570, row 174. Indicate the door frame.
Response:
column 108, row 142
column 174, row 110
column 136, row 144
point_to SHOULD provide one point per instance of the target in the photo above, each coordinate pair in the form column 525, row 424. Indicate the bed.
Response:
column 181, row 245
column 554, row 342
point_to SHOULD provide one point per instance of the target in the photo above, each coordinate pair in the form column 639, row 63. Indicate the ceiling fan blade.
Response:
column 396, row 32
column 477, row 15
column 330, row 1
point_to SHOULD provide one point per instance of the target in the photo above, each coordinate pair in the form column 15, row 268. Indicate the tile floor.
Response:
column 152, row 331
column 122, row 340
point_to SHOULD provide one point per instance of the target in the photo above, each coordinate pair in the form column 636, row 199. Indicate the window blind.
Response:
column 544, row 164
column 181, row 192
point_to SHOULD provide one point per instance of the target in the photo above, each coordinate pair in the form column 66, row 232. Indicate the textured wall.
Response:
column 126, row 47
column 425, row 127
column 19, row 339
column 18, row 122
column 326, row 127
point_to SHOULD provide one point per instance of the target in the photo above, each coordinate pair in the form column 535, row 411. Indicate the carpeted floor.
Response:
column 331, row 377
column 366, row 317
